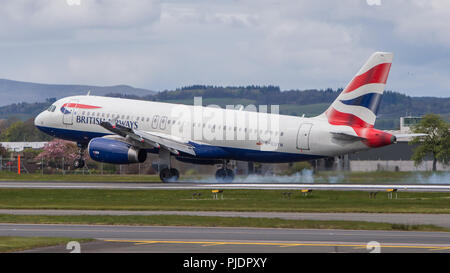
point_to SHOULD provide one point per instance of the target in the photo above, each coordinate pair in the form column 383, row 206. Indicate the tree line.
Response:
column 393, row 104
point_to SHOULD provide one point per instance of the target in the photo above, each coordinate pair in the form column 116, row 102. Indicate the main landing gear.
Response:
column 169, row 175
column 166, row 172
column 79, row 162
column 224, row 174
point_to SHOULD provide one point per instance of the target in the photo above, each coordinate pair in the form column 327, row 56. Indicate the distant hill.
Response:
column 17, row 92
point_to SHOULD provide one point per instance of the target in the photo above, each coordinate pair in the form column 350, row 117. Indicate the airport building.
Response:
column 20, row 146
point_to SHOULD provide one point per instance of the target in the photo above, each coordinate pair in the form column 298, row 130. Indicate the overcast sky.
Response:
column 162, row 45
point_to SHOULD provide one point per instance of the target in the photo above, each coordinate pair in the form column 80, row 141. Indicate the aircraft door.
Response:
column 68, row 110
column 303, row 136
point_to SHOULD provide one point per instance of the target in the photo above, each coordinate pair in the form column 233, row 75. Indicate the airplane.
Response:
column 124, row 131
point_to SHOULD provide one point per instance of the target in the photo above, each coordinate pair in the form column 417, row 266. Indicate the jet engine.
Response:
column 115, row 152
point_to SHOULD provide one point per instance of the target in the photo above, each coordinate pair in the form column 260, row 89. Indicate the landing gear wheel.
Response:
column 230, row 176
column 224, row 175
column 78, row 163
column 175, row 174
column 221, row 174
column 169, row 175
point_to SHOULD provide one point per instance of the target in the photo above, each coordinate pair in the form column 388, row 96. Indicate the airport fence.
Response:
column 16, row 164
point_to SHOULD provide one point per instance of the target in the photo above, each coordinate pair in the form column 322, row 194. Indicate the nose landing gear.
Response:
column 79, row 162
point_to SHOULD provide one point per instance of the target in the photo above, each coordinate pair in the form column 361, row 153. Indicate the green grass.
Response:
column 12, row 176
column 10, row 244
column 211, row 221
column 234, row 200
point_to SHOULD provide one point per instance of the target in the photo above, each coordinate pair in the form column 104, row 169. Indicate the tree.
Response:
column 23, row 131
column 3, row 151
column 57, row 149
column 436, row 143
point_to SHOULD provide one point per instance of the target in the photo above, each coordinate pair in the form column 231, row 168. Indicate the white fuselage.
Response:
column 246, row 135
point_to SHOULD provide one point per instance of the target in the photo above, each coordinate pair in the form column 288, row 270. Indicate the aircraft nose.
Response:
column 39, row 120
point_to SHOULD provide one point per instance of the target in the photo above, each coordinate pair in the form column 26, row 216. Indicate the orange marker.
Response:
column 18, row 164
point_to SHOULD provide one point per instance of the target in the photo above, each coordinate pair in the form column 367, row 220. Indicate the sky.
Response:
column 163, row 45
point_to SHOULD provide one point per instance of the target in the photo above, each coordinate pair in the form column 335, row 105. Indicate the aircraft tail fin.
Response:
column 358, row 103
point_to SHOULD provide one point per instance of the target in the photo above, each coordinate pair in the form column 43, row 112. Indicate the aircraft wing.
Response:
column 157, row 140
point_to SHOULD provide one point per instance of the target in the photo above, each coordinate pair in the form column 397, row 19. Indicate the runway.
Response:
column 200, row 186
column 217, row 240
column 442, row 220
column 220, row 240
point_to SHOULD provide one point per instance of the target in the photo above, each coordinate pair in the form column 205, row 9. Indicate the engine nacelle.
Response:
column 115, row 152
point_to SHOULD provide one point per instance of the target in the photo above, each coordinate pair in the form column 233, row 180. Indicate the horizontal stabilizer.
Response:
column 346, row 136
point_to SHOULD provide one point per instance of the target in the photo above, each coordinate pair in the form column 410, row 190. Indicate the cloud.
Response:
column 167, row 44
column 57, row 18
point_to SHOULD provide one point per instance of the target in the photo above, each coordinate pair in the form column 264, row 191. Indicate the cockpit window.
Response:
column 51, row 108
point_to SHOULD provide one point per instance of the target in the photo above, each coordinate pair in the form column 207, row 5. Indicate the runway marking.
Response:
column 212, row 243
column 439, row 248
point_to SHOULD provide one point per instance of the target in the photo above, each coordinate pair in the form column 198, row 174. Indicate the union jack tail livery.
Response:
column 358, row 103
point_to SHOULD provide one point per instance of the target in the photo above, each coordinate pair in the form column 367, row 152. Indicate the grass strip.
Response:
column 13, row 244
column 11, row 176
column 233, row 200
column 212, row 221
